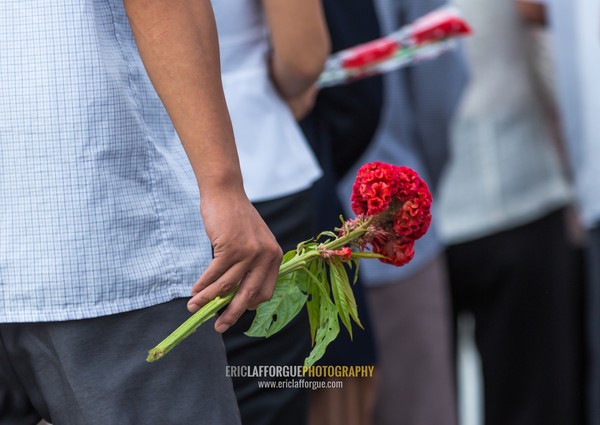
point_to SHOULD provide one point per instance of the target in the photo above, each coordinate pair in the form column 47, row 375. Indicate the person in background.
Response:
column 109, row 136
column 408, row 305
column 271, row 53
column 502, row 209
column 575, row 29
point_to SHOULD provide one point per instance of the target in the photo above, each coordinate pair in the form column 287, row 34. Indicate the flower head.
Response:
column 399, row 203
column 413, row 219
column 396, row 254
column 374, row 187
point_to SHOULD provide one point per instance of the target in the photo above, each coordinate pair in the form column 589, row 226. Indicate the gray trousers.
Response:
column 94, row 371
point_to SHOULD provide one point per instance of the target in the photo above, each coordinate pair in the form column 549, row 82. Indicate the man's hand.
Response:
column 245, row 253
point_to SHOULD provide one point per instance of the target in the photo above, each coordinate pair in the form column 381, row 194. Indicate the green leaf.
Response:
column 288, row 256
column 328, row 330
column 288, row 299
column 356, row 263
column 327, row 233
column 318, row 287
column 316, row 273
column 348, row 295
column 312, row 307
column 339, row 280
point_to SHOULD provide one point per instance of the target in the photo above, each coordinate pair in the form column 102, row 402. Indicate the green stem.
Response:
column 189, row 326
column 210, row 309
column 300, row 261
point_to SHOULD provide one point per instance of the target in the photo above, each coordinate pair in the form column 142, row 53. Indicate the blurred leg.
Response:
column 350, row 405
column 411, row 322
column 522, row 287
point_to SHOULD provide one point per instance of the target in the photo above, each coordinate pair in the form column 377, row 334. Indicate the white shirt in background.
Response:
column 504, row 169
column 274, row 156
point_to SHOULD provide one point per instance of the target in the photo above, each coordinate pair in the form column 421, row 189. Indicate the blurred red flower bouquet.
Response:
column 426, row 38
column 393, row 210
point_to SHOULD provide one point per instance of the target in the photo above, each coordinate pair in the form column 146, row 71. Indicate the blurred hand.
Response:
column 302, row 104
column 532, row 12
column 245, row 253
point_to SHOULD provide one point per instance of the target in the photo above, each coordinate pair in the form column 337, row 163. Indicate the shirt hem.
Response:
column 90, row 311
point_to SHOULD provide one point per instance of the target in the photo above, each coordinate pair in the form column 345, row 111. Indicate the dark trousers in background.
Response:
column 523, row 288
column 291, row 219
column 593, row 327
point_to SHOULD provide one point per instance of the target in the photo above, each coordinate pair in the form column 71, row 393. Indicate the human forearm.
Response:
column 300, row 42
column 178, row 45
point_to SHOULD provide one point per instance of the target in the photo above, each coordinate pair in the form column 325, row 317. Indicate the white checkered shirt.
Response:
column 99, row 209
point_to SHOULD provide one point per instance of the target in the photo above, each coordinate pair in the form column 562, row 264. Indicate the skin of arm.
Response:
column 302, row 104
column 176, row 38
column 300, row 44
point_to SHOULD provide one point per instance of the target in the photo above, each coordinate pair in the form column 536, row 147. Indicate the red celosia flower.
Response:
column 410, row 185
column 396, row 254
column 413, row 219
column 344, row 253
column 400, row 201
column 375, row 185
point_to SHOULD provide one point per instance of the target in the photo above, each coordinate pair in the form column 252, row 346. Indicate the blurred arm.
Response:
column 300, row 42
